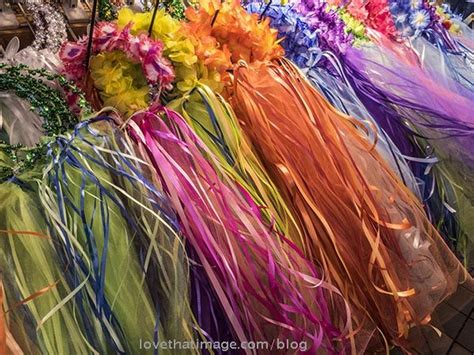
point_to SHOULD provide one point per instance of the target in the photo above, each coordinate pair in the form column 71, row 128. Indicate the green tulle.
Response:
column 461, row 200
column 73, row 211
column 131, row 288
column 28, row 265
column 125, row 287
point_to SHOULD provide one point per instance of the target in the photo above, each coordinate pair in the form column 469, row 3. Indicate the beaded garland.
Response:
column 50, row 27
column 412, row 18
column 26, row 83
column 57, row 112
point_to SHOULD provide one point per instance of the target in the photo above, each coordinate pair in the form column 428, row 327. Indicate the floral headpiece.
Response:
column 353, row 26
column 412, row 17
column 225, row 33
column 178, row 48
column 202, row 50
column 446, row 17
column 124, row 67
column 373, row 14
column 304, row 37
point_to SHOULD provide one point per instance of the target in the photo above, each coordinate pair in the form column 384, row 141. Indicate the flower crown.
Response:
column 412, row 17
column 225, row 33
column 133, row 56
column 446, row 18
column 177, row 46
column 301, row 31
column 373, row 14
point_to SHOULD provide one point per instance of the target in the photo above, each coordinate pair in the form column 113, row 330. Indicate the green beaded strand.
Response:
column 47, row 102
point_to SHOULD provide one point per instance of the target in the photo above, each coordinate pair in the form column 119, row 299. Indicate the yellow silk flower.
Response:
column 447, row 22
column 178, row 47
column 120, row 82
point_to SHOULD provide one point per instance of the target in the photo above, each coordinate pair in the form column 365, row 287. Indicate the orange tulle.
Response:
column 363, row 226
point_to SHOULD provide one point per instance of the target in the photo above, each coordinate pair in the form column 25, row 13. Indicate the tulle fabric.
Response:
column 91, row 257
column 438, row 60
column 28, row 266
column 343, row 98
column 417, row 168
column 409, row 101
column 366, row 230
column 31, row 57
column 117, row 215
column 410, row 155
column 264, row 284
column 407, row 80
column 8, row 344
column 465, row 38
